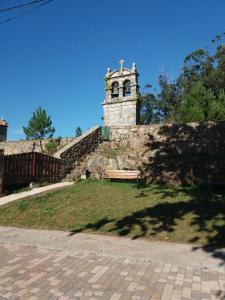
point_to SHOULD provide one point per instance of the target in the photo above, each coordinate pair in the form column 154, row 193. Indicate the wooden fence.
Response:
column 1, row 170
column 30, row 167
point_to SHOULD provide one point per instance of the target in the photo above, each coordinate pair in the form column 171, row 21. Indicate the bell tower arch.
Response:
column 121, row 104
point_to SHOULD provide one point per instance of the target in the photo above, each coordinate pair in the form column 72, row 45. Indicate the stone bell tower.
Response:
column 121, row 105
column 3, row 130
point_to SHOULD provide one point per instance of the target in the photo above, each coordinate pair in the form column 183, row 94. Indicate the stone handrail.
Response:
column 83, row 145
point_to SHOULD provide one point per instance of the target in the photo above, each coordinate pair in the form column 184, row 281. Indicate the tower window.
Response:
column 126, row 88
column 115, row 89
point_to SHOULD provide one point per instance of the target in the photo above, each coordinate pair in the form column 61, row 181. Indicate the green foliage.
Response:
column 39, row 126
column 198, row 92
column 168, row 99
column 110, row 153
column 78, row 132
column 51, row 147
column 149, row 112
column 196, row 104
column 201, row 105
column 217, row 111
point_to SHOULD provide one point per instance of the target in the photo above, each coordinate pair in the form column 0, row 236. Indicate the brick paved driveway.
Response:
column 29, row 272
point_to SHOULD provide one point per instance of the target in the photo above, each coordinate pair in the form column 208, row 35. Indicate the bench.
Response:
column 123, row 174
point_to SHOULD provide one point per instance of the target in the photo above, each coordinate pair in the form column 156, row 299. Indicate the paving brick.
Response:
column 34, row 273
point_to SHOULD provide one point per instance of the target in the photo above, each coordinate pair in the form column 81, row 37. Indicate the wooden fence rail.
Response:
column 30, row 167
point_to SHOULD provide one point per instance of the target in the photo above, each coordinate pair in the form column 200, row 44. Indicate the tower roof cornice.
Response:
column 122, row 71
column 3, row 123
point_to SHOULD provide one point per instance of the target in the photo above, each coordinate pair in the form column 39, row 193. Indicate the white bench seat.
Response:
column 122, row 174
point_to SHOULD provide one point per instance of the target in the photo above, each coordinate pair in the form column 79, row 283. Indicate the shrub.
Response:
column 51, row 147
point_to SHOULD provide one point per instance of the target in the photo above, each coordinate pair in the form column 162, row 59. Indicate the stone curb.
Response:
column 33, row 192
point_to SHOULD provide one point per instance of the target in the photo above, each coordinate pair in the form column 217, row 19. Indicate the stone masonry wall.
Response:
column 76, row 150
column 1, row 170
column 206, row 137
column 17, row 147
column 120, row 112
column 185, row 153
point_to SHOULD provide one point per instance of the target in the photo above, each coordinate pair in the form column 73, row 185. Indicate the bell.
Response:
column 127, row 87
column 115, row 89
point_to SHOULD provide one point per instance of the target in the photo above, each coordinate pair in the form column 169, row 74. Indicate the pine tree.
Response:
column 39, row 126
column 78, row 131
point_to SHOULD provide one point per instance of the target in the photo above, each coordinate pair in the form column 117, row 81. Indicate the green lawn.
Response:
column 187, row 214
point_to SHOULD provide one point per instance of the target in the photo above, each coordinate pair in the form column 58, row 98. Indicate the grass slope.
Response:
column 187, row 214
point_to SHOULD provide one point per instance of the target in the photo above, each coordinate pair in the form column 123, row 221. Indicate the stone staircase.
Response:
column 102, row 158
column 73, row 154
column 90, row 155
column 79, row 168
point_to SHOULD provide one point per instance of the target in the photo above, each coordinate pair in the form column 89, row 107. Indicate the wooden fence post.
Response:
column 1, row 172
column 34, row 168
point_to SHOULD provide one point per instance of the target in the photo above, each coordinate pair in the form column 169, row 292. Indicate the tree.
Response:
column 198, row 92
column 51, row 147
column 78, row 131
column 217, row 111
column 149, row 109
column 39, row 126
column 197, row 105
column 169, row 99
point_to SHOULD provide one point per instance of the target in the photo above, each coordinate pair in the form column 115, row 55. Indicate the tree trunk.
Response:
column 41, row 146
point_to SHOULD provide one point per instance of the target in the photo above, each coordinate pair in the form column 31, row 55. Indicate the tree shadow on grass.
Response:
column 190, row 154
column 92, row 226
column 205, row 204
column 201, row 208
column 185, row 154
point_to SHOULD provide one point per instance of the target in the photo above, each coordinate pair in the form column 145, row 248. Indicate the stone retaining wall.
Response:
column 1, row 170
column 187, row 137
column 17, row 147
column 80, row 147
column 184, row 153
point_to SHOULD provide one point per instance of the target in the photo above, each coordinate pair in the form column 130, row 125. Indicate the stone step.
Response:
column 79, row 167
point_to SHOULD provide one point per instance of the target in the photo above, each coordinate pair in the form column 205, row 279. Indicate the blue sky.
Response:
column 56, row 56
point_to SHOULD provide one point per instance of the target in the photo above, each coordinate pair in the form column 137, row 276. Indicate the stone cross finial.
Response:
column 134, row 68
column 108, row 72
column 121, row 62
